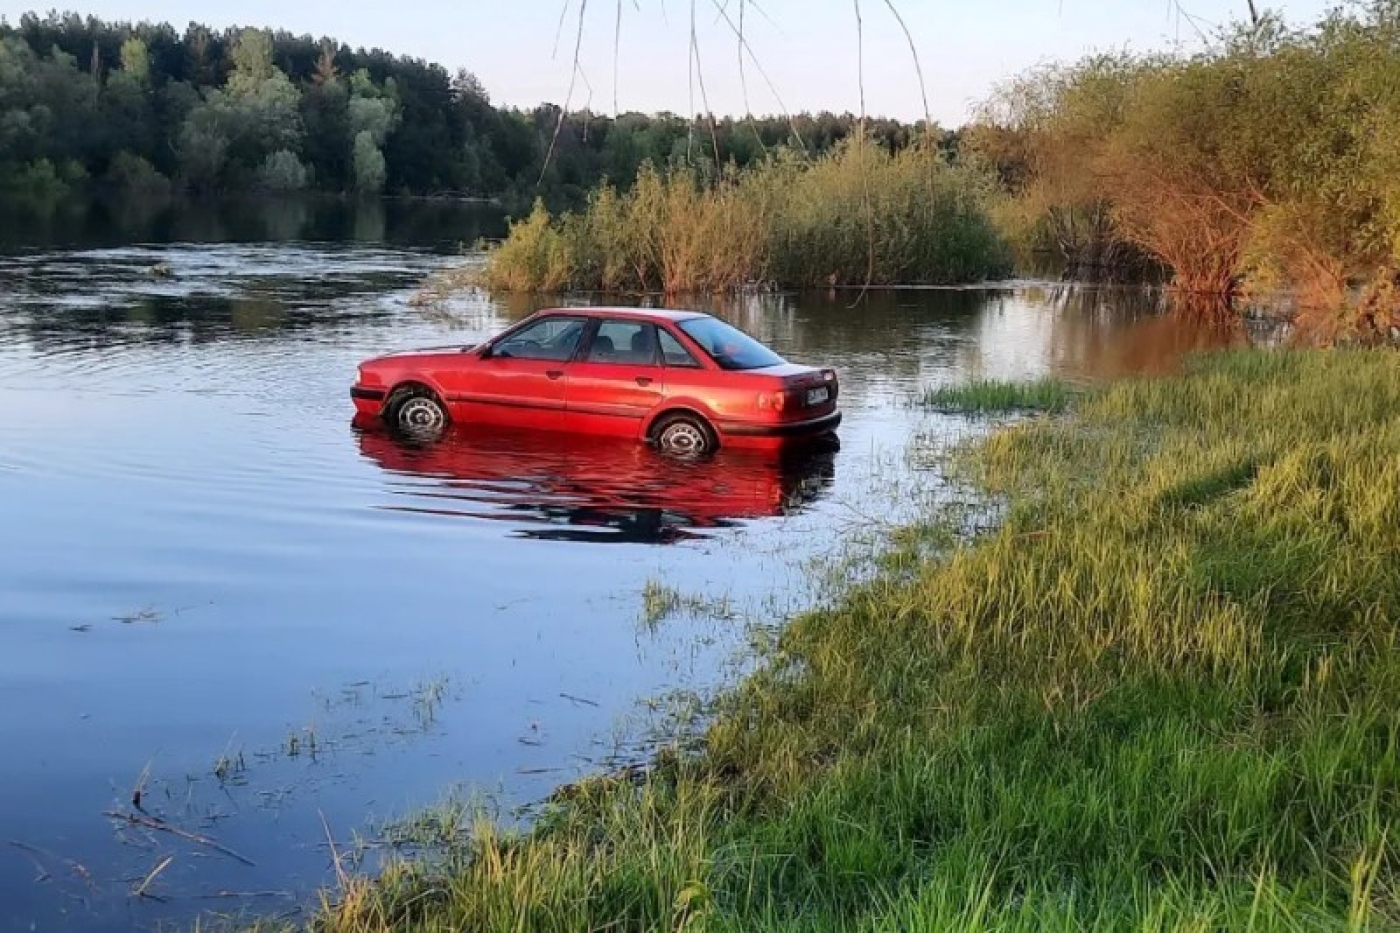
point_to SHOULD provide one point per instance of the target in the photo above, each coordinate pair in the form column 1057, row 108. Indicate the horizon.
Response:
column 525, row 59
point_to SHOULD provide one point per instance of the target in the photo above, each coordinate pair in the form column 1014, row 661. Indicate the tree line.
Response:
column 143, row 107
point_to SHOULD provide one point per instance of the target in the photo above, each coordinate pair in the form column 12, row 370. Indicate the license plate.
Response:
column 817, row 396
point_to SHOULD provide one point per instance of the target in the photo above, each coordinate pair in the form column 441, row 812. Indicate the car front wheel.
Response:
column 417, row 412
column 685, row 436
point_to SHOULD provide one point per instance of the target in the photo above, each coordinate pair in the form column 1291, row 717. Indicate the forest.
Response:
column 86, row 103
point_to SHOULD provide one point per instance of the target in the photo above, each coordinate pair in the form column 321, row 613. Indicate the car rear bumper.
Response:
column 807, row 428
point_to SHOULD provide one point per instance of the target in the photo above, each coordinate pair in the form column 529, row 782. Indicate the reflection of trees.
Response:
column 285, row 218
column 369, row 221
column 125, row 218
column 1108, row 332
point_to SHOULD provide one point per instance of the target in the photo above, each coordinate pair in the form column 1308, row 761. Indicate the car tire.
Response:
column 417, row 412
column 684, row 435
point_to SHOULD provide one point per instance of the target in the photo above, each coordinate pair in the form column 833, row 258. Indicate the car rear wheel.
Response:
column 685, row 436
column 417, row 412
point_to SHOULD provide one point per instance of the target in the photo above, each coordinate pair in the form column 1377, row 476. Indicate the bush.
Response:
column 1266, row 163
column 33, row 183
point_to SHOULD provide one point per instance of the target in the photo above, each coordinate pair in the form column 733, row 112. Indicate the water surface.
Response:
column 279, row 624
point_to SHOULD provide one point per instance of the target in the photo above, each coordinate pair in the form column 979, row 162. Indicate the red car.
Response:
column 685, row 381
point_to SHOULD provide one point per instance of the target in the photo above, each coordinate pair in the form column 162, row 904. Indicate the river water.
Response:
column 281, row 629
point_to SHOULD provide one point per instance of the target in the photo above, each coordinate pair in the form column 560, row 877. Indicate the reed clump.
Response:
column 858, row 215
column 993, row 396
column 1160, row 695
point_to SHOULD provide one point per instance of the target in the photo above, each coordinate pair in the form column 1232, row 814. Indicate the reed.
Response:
column 856, row 216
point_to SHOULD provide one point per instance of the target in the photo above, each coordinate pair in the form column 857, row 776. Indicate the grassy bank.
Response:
column 855, row 215
column 1162, row 695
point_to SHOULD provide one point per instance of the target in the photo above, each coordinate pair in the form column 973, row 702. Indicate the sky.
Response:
column 807, row 49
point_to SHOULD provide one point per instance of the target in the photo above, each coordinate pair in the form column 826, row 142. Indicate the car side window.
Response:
column 552, row 338
column 630, row 342
column 675, row 354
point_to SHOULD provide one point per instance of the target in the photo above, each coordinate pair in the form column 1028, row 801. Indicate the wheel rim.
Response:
column 684, row 438
column 421, row 414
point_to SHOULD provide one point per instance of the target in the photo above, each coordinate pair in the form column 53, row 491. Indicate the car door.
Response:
column 522, row 379
column 617, row 380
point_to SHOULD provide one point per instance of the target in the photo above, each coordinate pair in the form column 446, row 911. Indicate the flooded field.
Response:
column 272, row 627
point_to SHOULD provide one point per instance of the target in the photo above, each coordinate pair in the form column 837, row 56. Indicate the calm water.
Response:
column 216, row 588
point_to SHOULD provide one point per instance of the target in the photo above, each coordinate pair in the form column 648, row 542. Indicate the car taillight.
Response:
column 775, row 401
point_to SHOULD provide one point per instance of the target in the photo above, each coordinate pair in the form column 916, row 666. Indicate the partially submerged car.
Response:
column 682, row 380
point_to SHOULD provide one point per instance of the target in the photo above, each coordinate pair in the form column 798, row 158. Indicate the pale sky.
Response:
column 807, row 47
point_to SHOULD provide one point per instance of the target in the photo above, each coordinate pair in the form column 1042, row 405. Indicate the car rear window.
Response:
column 675, row 354
column 730, row 347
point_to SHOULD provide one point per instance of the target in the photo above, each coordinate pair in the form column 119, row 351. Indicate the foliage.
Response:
column 1266, row 163
column 1159, row 696
column 283, row 171
column 858, row 214
column 210, row 107
column 133, row 174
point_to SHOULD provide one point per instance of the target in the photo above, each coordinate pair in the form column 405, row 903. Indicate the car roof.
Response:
column 664, row 314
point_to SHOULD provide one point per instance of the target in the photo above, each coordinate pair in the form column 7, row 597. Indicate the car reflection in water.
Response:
column 564, row 487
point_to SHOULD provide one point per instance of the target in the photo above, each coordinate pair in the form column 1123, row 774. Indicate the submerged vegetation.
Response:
column 858, row 215
column 1265, row 165
column 1159, row 695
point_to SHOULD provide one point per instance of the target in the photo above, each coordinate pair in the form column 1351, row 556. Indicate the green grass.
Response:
column 989, row 396
column 1164, row 694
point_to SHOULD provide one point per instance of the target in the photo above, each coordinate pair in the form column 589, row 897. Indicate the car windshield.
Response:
column 730, row 347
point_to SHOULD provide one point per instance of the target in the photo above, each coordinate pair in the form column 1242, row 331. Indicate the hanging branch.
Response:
column 704, row 96
column 918, row 67
column 744, row 44
column 568, row 97
column 861, row 143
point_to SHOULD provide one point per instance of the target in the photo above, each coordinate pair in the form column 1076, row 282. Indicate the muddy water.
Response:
column 216, row 589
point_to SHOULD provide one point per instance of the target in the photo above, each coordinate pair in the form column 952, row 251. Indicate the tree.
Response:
column 369, row 166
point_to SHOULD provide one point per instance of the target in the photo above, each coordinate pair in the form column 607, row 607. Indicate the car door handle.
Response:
column 643, row 380
column 554, row 373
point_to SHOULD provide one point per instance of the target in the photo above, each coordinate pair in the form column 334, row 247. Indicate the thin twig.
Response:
column 571, row 697
column 150, row 822
column 244, row 895
column 146, row 884
column 32, row 853
column 340, row 875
